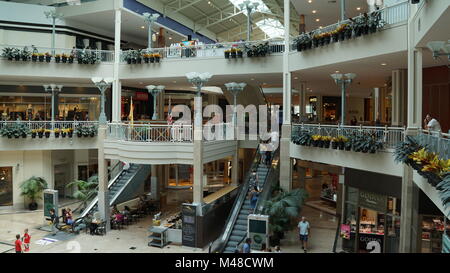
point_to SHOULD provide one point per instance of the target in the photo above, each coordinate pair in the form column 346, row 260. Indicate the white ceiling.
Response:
column 327, row 11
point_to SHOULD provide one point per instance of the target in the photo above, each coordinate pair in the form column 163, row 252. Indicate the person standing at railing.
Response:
column 432, row 124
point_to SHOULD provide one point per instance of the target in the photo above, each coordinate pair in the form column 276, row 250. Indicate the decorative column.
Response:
column 343, row 80
column 54, row 89
column 409, row 215
column 51, row 14
column 198, row 80
column 376, row 101
column 342, row 9
column 249, row 7
column 150, row 18
column 103, row 191
column 285, row 158
column 102, row 84
column 155, row 91
column 117, row 84
column 302, row 100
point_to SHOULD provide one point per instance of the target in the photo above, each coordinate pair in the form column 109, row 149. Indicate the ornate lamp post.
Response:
column 51, row 14
column 150, row 18
column 198, row 80
column 235, row 89
column 154, row 91
column 343, row 80
column 54, row 89
column 102, row 84
column 250, row 7
column 439, row 48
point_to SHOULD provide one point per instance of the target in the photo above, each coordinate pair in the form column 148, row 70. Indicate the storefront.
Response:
column 371, row 219
column 6, row 186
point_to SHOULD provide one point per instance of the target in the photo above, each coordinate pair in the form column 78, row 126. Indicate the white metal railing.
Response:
column 390, row 136
column 203, row 50
column 436, row 142
column 24, row 53
column 33, row 125
column 393, row 14
column 150, row 132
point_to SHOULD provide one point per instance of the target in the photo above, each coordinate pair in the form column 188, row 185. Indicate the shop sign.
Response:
column 141, row 96
column 372, row 243
column 372, row 201
column 189, row 225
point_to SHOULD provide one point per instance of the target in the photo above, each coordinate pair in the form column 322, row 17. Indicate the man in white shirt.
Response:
column 432, row 124
column 304, row 229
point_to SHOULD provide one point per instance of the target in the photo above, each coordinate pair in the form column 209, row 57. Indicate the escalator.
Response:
column 122, row 187
column 235, row 230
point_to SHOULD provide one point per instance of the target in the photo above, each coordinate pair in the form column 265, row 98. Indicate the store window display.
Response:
column 6, row 186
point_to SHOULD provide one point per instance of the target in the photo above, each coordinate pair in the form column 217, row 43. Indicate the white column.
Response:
column 198, row 151
column 285, row 159
column 415, row 88
column 302, row 100
column 103, row 192
column 376, row 100
column 117, row 85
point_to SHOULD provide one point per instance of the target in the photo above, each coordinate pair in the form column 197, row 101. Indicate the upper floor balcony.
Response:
column 48, row 135
column 19, row 61
column 360, row 147
column 151, row 143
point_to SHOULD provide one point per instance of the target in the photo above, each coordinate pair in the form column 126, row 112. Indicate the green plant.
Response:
column 406, row 148
column 14, row 130
column 32, row 188
column 303, row 137
column 283, row 208
column 444, row 190
column 84, row 190
column 10, row 52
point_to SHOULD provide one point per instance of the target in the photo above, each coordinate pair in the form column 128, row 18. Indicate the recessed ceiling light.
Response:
column 358, row 8
column 209, row 2
column 140, row 82
column 314, row 11
column 174, row 81
column 142, row 27
column 317, row 20
column 295, row 78
column 320, row 27
column 252, row 79
column 383, row 64
column 337, row 71
column 170, row 38
column 264, row 83
column 310, row 1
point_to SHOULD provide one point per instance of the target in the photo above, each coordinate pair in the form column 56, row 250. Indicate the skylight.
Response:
column 271, row 27
column 261, row 7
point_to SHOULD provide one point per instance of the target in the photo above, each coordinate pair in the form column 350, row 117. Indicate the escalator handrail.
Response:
column 113, row 199
column 236, row 208
column 110, row 184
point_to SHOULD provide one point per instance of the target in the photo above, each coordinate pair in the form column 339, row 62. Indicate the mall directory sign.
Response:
column 50, row 202
column 189, row 225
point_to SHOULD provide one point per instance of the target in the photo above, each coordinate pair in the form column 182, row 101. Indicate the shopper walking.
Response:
column 247, row 246
column 53, row 221
column 432, row 124
column 26, row 240
column 18, row 244
column 304, row 229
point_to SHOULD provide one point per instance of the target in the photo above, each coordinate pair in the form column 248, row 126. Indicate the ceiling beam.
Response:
column 189, row 5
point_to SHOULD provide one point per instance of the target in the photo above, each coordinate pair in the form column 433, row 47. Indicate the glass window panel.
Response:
column 6, row 186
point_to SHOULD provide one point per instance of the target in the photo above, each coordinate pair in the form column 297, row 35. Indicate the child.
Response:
column 26, row 240
column 18, row 244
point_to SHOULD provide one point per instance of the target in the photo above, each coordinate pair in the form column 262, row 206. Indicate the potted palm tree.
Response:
column 32, row 189
column 84, row 190
column 283, row 208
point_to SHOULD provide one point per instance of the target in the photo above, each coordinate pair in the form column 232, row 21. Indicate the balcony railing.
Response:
column 71, row 55
column 202, row 51
column 436, row 142
column 390, row 136
column 34, row 125
column 390, row 15
column 150, row 132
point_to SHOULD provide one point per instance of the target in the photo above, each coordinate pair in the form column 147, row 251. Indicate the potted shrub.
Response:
column 152, row 58
column 33, row 133
column 48, row 57
column 57, row 132
column 64, row 58
column 342, row 140
column 85, row 191
column 25, row 54
column 8, row 52
column 239, row 53
column 146, row 58
column 40, row 132
column 79, row 131
column 157, row 57
column 32, row 189
column 47, row 133
column 34, row 57
column 233, row 53
column 303, row 138
column 315, row 140
column 227, row 53
column 63, row 133
column 326, row 141
column 70, row 132
column 41, row 57
column 348, row 145
column 334, row 143
column 16, row 53
column 58, row 58
column 7, row 131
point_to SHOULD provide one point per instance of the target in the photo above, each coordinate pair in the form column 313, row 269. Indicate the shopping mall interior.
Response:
column 191, row 126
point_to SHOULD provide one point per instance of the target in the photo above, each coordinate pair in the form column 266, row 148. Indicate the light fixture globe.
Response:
column 337, row 76
column 150, row 87
column 160, row 87
column 96, row 79
column 350, row 76
column 436, row 46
